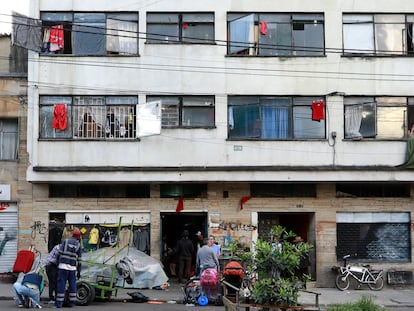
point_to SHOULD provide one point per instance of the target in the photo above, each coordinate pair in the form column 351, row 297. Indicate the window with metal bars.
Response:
column 89, row 117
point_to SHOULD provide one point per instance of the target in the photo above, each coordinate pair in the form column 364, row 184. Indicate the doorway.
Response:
column 172, row 226
column 302, row 224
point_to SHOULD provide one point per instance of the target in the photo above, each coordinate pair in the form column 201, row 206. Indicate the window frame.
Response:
column 174, row 107
column 96, row 122
column 255, row 26
column 285, row 108
column 181, row 24
column 9, row 146
column 126, row 45
column 376, row 23
column 372, row 115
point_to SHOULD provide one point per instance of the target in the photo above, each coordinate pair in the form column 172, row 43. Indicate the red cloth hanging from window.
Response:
column 263, row 28
column 56, row 35
column 185, row 25
column 180, row 205
column 244, row 200
column 318, row 110
column 60, row 120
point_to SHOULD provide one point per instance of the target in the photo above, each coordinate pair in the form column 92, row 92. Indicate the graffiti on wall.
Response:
column 9, row 235
column 39, row 228
column 233, row 226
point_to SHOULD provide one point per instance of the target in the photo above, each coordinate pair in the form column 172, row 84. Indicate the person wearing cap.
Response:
column 69, row 269
column 304, row 259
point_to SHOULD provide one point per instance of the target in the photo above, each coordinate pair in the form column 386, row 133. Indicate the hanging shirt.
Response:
column 318, row 110
column 60, row 117
column 56, row 36
column 94, row 236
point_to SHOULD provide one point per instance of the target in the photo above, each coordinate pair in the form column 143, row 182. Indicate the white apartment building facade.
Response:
column 260, row 113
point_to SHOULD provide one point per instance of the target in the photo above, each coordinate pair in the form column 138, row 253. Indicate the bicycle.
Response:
column 362, row 274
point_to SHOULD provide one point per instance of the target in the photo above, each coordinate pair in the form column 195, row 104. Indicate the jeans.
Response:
column 23, row 293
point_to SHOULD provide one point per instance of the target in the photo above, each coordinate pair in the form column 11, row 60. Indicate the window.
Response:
column 9, row 139
column 373, row 190
column 180, row 28
column 375, row 117
column 268, row 117
column 99, row 191
column 374, row 237
column 88, row 117
column 186, row 111
column 282, row 190
column 90, row 33
column 276, row 34
column 183, row 190
column 378, row 34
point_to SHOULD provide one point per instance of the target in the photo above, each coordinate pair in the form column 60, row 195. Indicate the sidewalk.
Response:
column 388, row 297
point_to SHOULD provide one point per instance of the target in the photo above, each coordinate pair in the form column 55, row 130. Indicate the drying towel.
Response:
column 60, row 117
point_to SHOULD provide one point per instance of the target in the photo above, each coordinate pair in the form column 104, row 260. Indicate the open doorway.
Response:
column 172, row 226
column 302, row 224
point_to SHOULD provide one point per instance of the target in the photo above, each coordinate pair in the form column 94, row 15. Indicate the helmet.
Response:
column 76, row 234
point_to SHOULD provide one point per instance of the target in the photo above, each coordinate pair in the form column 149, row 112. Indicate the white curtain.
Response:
column 122, row 36
column 353, row 118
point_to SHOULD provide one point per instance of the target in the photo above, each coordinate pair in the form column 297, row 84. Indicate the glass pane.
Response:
column 277, row 41
column 162, row 33
column 241, row 35
column 162, row 18
column 67, row 17
column 89, row 39
column 198, row 101
column 368, row 121
column 358, row 38
column 46, row 121
column 198, row 116
column 198, row 33
column 198, row 17
column 276, row 118
column 46, row 117
column 170, row 114
column 390, row 121
column 303, row 125
column 243, row 121
column 8, row 139
column 122, row 37
column 308, row 39
column 389, row 38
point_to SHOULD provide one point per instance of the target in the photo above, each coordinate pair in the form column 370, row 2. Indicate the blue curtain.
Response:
column 275, row 122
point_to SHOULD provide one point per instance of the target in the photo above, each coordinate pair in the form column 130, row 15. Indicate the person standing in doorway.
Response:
column 68, row 268
column 185, row 250
column 206, row 257
column 52, row 272
column 200, row 239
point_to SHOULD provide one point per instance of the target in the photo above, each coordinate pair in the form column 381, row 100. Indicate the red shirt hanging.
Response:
column 56, row 35
column 318, row 110
column 60, row 120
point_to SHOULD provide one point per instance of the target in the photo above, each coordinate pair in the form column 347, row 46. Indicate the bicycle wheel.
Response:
column 342, row 282
column 378, row 285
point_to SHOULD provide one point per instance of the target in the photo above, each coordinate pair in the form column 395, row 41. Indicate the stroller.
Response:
column 204, row 289
column 234, row 274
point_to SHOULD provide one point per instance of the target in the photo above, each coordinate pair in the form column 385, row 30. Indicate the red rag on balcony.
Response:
column 180, row 205
column 318, row 110
column 60, row 117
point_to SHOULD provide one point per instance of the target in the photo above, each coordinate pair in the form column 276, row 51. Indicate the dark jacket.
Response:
column 185, row 247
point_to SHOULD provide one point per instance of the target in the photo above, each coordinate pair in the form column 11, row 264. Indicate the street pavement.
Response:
column 393, row 297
